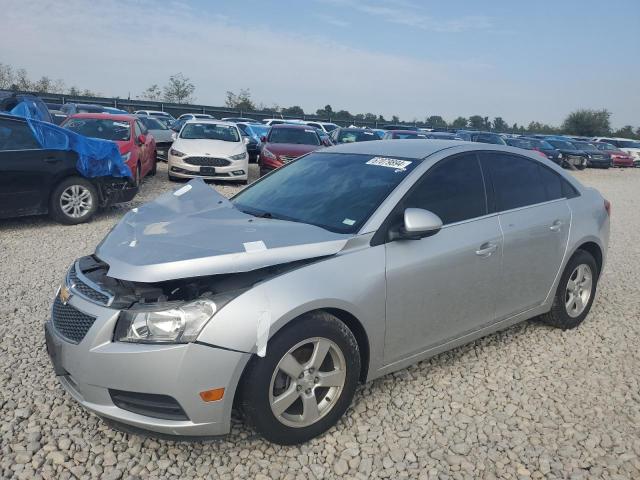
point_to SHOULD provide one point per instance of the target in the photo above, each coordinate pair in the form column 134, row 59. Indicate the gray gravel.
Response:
column 530, row 402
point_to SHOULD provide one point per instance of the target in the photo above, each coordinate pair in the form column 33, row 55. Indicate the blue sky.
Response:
column 405, row 57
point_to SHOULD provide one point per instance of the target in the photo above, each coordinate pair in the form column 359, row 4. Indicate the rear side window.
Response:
column 16, row 136
column 517, row 182
column 453, row 189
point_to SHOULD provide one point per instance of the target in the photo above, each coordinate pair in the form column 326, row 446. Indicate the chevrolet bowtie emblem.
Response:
column 65, row 294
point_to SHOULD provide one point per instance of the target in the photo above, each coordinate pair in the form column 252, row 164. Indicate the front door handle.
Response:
column 556, row 226
column 486, row 249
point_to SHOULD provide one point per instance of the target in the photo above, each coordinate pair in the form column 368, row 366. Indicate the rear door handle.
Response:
column 556, row 226
column 486, row 249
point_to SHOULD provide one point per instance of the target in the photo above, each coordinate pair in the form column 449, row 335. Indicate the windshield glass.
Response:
column 516, row 142
column 153, row 123
column 260, row 130
column 488, row 138
column 89, row 109
column 562, row 144
column 160, row 114
column 628, row 144
column 299, row 136
column 605, row 146
column 350, row 136
column 209, row 131
column 338, row 192
column 330, row 127
column 409, row 135
column 118, row 131
column 587, row 147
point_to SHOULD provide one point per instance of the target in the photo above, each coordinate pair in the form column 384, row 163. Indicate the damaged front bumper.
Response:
column 154, row 387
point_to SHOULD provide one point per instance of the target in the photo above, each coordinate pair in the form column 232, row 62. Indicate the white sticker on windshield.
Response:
column 348, row 221
column 368, row 133
column 399, row 165
column 182, row 191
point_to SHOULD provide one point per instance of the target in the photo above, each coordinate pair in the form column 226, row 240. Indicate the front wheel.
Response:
column 73, row 201
column 305, row 382
column 575, row 293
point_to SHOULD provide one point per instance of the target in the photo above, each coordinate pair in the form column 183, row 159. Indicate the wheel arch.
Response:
column 595, row 250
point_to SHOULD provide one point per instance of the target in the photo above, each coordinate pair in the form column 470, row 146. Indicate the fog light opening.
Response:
column 238, row 172
column 212, row 395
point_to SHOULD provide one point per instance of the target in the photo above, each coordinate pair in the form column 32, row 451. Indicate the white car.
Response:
column 280, row 121
column 627, row 145
column 209, row 149
column 326, row 126
column 196, row 116
column 155, row 113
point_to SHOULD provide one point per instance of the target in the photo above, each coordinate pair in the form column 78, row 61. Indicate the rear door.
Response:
column 26, row 170
column 535, row 220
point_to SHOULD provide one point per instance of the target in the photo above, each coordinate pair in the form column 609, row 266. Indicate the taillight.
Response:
column 607, row 206
column 540, row 153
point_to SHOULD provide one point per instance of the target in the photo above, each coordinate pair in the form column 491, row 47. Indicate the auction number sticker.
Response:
column 389, row 163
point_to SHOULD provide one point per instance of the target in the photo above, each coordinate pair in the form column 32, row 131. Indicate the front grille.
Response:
column 85, row 290
column 70, row 323
column 163, row 145
column 286, row 159
column 148, row 404
column 207, row 161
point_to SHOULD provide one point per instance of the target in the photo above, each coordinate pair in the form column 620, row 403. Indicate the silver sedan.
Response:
column 342, row 266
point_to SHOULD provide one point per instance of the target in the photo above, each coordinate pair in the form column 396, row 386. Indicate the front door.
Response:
column 443, row 286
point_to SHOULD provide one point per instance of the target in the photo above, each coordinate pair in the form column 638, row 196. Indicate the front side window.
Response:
column 115, row 130
column 299, row 136
column 335, row 191
column 210, row 131
column 16, row 136
column 453, row 189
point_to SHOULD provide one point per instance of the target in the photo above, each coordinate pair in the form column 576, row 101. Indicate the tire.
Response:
column 72, row 190
column 563, row 314
column 172, row 178
column 138, row 177
column 154, row 168
column 264, row 381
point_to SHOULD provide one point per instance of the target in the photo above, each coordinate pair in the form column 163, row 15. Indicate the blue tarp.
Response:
column 96, row 157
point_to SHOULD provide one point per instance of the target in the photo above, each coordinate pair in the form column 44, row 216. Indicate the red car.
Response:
column 618, row 157
column 285, row 143
column 137, row 146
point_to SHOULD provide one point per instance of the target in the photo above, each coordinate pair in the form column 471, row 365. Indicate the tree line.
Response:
column 180, row 89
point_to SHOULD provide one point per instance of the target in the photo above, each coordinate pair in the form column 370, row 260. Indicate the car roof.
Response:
column 209, row 120
column 105, row 116
column 293, row 126
column 417, row 149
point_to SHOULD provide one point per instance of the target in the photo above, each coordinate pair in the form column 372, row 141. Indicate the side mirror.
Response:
column 326, row 142
column 174, row 135
column 417, row 224
column 246, row 140
column 142, row 139
column 263, row 139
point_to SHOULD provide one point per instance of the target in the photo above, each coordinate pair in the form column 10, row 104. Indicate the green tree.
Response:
column 21, row 80
column 74, row 91
column 241, row 101
column 588, row 123
column 343, row 115
column 369, row 117
column 476, row 122
column 7, row 77
column 395, row 119
column 625, row 132
column 537, row 127
column 153, row 93
column 460, row 122
column 295, row 110
column 327, row 111
column 499, row 125
column 436, row 121
column 179, row 89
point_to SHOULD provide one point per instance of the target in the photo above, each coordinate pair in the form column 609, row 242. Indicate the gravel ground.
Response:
column 528, row 402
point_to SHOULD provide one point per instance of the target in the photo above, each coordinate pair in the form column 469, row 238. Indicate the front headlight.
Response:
column 267, row 153
column 179, row 324
column 240, row 156
column 176, row 153
column 559, row 155
column 126, row 156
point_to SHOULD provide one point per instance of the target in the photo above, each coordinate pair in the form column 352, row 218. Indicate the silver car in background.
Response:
column 339, row 267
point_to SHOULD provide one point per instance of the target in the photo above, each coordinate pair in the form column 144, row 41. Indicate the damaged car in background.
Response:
column 46, row 169
column 334, row 269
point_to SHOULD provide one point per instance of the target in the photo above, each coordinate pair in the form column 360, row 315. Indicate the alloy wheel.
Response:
column 578, row 291
column 76, row 201
column 307, row 382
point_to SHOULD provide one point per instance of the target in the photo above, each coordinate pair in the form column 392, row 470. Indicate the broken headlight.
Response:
column 178, row 324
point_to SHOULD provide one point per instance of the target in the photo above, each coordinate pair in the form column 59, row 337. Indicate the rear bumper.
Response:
column 91, row 368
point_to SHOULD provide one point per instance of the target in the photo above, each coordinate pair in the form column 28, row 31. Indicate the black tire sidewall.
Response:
column 559, row 307
column 55, row 209
column 257, row 379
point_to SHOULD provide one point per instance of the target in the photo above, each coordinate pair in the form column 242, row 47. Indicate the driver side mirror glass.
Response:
column 417, row 223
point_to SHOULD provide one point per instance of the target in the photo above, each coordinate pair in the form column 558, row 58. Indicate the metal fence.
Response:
column 177, row 109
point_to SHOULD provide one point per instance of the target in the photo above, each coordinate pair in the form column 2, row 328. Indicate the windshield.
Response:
column 562, row 144
column 118, row 131
column 330, row 127
column 605, row 146
column 160, row 114
column 299, row 136
column 350, row 136
column 153, row 123
column 260, row 130
column 408, row 135
column 337, row 192
column 587, row 147
column 209, row 131
column 516, row 142
column 488, row 138
column 628, row 144
column 89, row 109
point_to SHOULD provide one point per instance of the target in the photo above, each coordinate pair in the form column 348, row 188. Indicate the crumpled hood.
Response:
column 216, row 148
column 195, row 231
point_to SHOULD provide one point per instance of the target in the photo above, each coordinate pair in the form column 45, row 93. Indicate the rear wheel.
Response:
column 154, row 168
column 575, row 293
column 73, row 201
column 305, row 382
